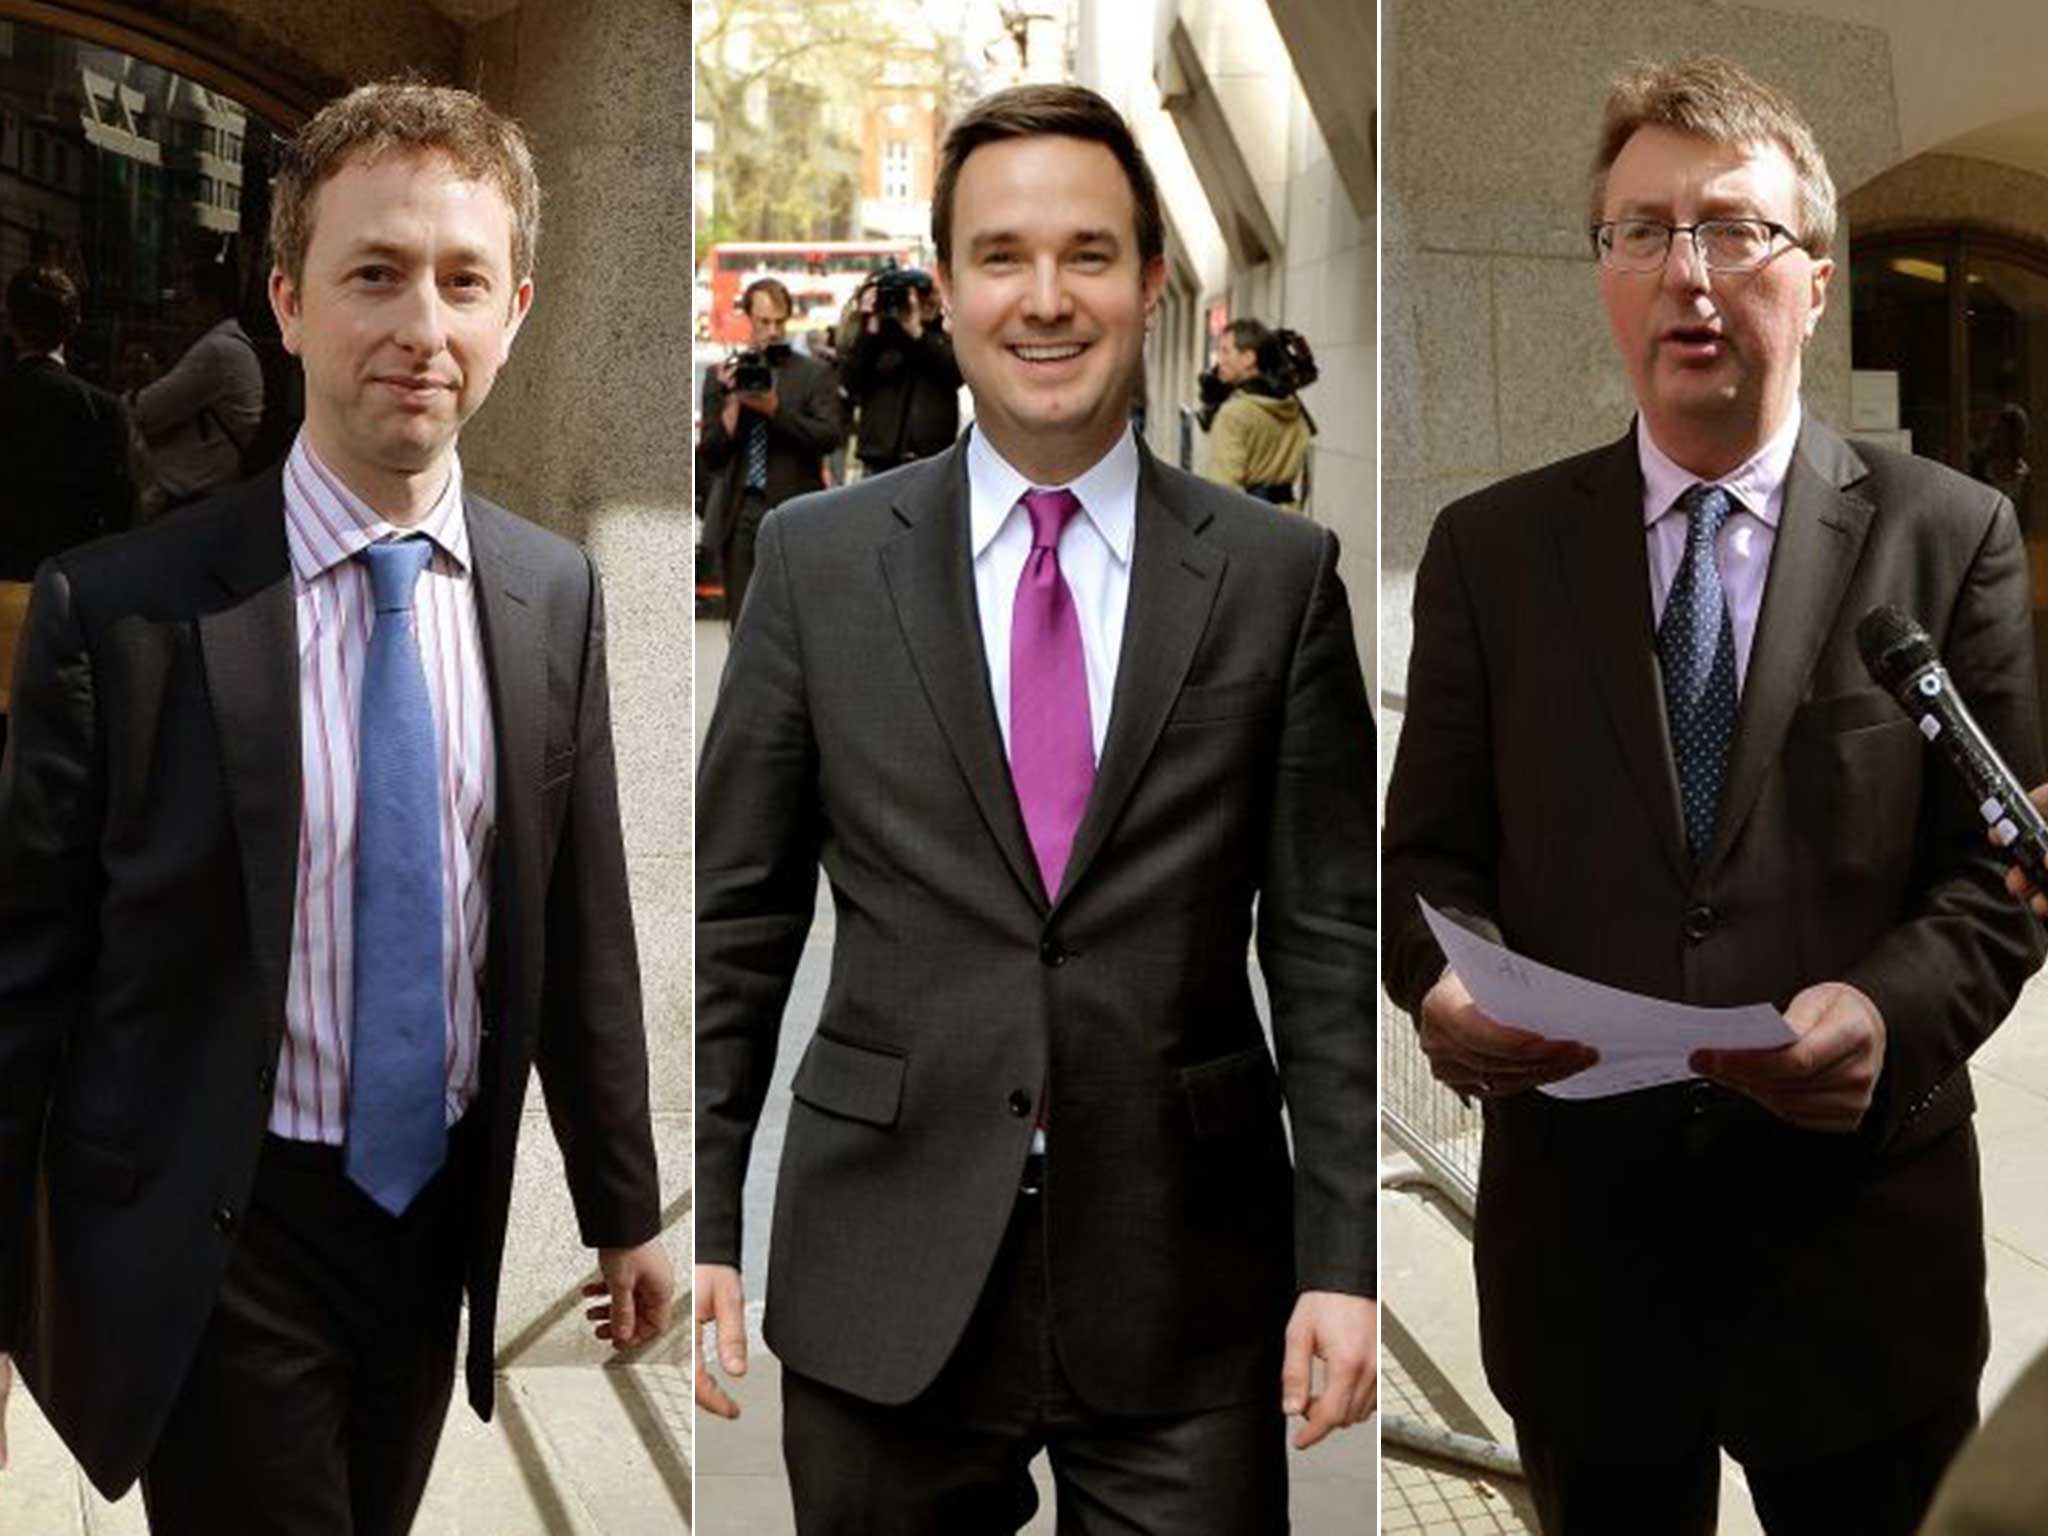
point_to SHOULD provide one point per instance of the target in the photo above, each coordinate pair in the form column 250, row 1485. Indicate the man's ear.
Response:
column 522, row 301
column 1817, row 299
column 1153, row 284
column 284, row 303
column 942, row 279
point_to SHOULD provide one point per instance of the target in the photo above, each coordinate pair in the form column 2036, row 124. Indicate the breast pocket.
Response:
column 1211, row 702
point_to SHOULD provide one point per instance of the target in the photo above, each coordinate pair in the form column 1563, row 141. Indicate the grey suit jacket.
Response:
column 149, row 832
column 855, row 730
column 1676, row 1261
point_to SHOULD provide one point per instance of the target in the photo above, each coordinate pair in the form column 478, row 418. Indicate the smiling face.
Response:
column 1049, row 300
column 404, row 312
column 1714, row 357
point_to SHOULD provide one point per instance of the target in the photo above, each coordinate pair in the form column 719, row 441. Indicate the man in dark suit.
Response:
column 1050, row 715
column 763, row 439
column 1640, row 745
column 67, row 441
column 309, row 826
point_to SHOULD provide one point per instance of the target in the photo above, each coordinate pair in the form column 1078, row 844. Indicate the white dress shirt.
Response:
column 1743, row 546
column 1095, row 559
column 326, row 525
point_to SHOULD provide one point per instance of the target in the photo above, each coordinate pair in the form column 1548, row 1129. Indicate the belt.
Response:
column 1278, row 492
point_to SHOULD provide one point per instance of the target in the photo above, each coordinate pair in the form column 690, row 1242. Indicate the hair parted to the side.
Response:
column 1247, row 334
column 1712, row 98
column 774, row 288
column 1046, row 111
column 42, row 306
column 406, row 117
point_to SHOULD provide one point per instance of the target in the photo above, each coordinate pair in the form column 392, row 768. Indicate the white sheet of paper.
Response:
column 1642, row 1041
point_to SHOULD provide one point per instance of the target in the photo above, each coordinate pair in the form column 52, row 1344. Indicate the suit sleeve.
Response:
column 1443, row 825
column 1315, row 943
column 810, row 416
column 714, row 444
column 758, row 836
column 50, row 798
column 592, row 1052
column 1946, row 976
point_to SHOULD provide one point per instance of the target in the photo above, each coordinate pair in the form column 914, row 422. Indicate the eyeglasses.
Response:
column 1726, row 245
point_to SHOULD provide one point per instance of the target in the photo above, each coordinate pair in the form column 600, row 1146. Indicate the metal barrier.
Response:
column 1441, row 1135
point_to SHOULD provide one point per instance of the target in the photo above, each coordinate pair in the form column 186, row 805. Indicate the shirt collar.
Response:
column 1758, row 485
column 327, row 523
column 1107, row 491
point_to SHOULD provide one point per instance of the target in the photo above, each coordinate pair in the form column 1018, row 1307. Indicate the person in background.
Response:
column 198, row 420
column 1259, row 435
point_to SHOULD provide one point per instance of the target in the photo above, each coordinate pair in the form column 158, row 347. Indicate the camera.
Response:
column 897, row 289
column 753, row 371
column 1285, row 362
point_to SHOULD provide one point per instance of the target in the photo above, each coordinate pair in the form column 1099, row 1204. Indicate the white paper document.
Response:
column 1642, row 1041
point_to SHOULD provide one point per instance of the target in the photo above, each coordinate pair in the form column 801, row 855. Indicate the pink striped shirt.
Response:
column 325, row 525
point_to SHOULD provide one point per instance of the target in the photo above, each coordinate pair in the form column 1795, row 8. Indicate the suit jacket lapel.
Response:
column 249, row 647
column 929, row 570
column 515, row 657
column 1605, row 560
column 1174, row 582
column 1820, row 537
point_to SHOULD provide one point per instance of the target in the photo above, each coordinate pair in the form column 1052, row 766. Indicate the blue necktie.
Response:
column 1696, row 649
column 757, row 452
column 397, row 1122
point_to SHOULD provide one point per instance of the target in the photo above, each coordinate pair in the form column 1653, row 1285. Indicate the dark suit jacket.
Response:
column 65, row 445
column 149, row 827
column 855, row 729
column 1677, row 1260
column 808, row 426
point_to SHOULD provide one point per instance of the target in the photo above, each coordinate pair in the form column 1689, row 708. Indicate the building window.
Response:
column 897, row 159
column 131, row 224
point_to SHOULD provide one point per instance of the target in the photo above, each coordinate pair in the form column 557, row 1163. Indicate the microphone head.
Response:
column 1893, row 645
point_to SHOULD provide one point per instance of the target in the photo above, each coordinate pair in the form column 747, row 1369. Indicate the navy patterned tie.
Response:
column 1696, row 649
column 757, row 452
column 397, row 1122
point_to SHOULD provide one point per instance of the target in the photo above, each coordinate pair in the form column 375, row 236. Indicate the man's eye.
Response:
column 1093, row 260
column 1639, row 232
column 375, row 274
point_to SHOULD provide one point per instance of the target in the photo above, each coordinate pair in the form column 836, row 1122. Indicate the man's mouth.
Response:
column 1704, row 339
column 421, row 388
column 1044, row 353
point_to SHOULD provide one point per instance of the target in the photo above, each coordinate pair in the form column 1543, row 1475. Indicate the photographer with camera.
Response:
column 1258, row 428
column 770, row 417
column 899, row 372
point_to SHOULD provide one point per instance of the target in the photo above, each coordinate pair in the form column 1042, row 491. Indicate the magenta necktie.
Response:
column 1052, row 749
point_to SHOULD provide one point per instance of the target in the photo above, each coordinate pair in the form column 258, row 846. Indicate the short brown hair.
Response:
column 1247, row 333
column 773, row 287
column 1042, row 111
column 42, row 306
column 1711, row 98
column 411, row 117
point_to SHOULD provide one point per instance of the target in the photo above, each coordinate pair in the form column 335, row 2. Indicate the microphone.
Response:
column 1903, row 661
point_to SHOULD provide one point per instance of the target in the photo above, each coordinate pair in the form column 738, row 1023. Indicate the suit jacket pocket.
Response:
column 846, row 1078
column 1839, row 713
column 559, row 768
column 1233, row 1095
column 1225, row 701
column 90, row 1168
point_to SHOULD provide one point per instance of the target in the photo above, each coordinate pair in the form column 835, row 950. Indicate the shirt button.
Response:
column 1699, row 922
column 1020, row 1103
column 1053, row 953
column 224, row 1221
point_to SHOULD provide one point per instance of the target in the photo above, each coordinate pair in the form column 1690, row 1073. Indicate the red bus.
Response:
column 821, row 276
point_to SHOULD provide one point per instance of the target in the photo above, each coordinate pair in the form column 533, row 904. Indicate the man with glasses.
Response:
column 1641, row 746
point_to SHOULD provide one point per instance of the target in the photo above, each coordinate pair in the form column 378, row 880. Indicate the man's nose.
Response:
column 1685, row 264
column 1047, row 297
column 422, row 327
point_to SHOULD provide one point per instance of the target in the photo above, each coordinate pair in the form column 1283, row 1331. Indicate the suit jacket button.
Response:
column 224, row 1221
column 265, row 1079
column 1020, row 1103
column 1052, row 952
column 1699, row 922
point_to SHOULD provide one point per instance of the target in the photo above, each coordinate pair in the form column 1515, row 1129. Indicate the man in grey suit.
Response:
column 1641, row 746
column 1051, row 716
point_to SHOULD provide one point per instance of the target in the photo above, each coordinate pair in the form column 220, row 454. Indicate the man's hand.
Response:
column 1824, row 1080
column 6, row 1381
column 639, row 1288
column 762, row 402
column 1344, row 1331
column 1471, row 1053
column 2024, row 886
column 720, row 1300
